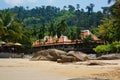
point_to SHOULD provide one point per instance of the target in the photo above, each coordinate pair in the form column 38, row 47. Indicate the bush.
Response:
column 117, row 46
column 104, row 48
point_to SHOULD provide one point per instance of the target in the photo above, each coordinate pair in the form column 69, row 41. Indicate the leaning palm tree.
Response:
column 5, row 21
column 10, row 28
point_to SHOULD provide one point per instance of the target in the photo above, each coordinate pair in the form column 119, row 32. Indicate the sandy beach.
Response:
column 24, row 69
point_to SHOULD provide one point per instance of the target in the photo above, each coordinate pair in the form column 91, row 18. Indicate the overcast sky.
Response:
column 57, row 3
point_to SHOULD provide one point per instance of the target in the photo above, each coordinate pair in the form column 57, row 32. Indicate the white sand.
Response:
column 23, row 69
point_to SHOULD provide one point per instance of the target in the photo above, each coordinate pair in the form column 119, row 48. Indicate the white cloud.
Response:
column 19, row 2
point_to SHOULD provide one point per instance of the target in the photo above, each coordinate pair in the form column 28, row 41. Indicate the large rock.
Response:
column 109, row 57
column 60, row 56
column 50, row 54
column 11, row 55
column 66, row 58
column 80, row 56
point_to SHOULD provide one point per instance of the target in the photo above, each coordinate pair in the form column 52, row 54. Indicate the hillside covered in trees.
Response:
column 35, row 23
column 74, row 16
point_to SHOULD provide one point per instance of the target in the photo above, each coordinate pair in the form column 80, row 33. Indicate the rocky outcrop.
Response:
column 109, row 57
column 59, row 56
column 50, row 54
column 11, row 55
column 80, row 56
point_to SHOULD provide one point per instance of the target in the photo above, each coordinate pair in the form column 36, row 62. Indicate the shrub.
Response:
column 104, row 48
column 117, row 46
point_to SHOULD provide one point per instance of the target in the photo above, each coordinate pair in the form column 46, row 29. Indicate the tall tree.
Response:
column 71, row 8
column 42, row 31
column 10, row 28
column 52, row 30
column 64, row 7
column 77, row 6
column 107, row 31
column 62, row 28
column 109, row 1
column 88, row 9
column 105, row 10
column 91, row 7
column 115, row 12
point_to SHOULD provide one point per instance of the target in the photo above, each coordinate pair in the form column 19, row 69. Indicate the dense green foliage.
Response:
column 26, row 25
column 109, row 30
column 47, row 14
column 113, row 47
column 104, row 48
column 11, row 29
column 48, row 20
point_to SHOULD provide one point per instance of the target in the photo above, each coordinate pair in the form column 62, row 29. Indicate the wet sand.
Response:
column 23, row 69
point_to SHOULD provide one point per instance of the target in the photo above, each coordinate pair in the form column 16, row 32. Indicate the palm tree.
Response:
column 62, row 27
column 109, row 1
column 42, row 30
column 51, row 30
column 10, row 28
column 64, row 7
column 89, row 9
column 91, row 6
column 105, row 10
column 77, row 6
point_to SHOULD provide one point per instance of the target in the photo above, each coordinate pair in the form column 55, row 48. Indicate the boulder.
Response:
column 80, row 56
column 11, row 55
column 65, row 58
column 50, row 54
column 109, row 57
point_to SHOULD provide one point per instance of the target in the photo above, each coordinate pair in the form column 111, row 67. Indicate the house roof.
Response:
column 86, row 33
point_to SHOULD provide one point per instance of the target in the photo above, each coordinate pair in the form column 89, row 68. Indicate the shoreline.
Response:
column 24, row 69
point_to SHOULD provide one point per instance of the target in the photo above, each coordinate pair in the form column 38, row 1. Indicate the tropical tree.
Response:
column 62, row 28
column 52, row 30
column 10, row 28
column 74, row 33
column 77, row 6
column 92, row 6
column 109, row 1
column 64, row 7
column 105, row 10
column 115, row 11
column 89, row 9
column 71, row 8
column 107, row 31
column 42, row 30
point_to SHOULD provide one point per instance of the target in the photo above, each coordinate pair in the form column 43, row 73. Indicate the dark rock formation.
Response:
column 109, row 57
